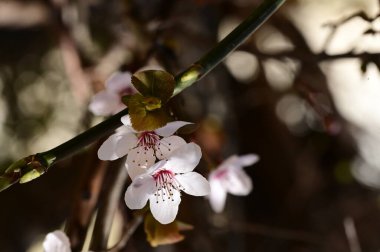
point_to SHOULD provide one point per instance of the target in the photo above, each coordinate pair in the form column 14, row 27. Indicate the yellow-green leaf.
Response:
column 154, row 83
column 26, row 169
column 159, row 234
column 147, row 113
column 33, row 174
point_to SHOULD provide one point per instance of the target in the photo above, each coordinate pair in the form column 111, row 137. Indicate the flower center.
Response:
column 166, row 183
column 220, row 174
column 148, row 139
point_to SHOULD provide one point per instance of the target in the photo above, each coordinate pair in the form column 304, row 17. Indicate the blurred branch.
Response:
column 234, row 39
column 132, row 226
column 335, row 25
column 87, row 198
column 312, row 58
column 79, row 80
column 352, row 237
column 110, row 197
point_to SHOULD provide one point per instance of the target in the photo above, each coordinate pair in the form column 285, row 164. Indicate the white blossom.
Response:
column 162, row 184
column 56, row 241
column 108, row 101
column 229, row 177
column 142, row 148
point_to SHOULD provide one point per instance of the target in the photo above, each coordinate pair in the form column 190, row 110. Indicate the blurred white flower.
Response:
column 141, row 148
column 229, row 177
column 108, row 101
column 161, row 184
column 56, row 241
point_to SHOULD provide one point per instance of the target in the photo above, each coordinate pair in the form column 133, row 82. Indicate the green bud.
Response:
column 26, row 169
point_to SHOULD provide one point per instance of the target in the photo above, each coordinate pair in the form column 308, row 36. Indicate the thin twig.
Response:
column 110, row 196
column 86, row 198
column 352, row 236
column 135, row 223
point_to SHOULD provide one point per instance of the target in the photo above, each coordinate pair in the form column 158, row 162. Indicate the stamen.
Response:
column 166, row 183
column 148, row 139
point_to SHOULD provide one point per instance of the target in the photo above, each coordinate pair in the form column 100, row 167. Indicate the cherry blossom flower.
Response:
column 162, row 184
column 56, row 241
column 108, row 102
column 142, row 148
column 229, row 177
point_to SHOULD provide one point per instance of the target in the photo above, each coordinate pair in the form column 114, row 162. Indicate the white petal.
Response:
column 238, row 183
column 193, row 183
column 163, row 209
column 184, row 159
column 107, row 150
column 230, row 163
column 104, row 104
column 118, row 81
column 156, row 167
column 125, row 144
column 138, row 160
column 134, row 171
column 170, row 128
column 165, row 147
column 126, row 120
column 217, row 195
column 56, row 241
column 248, row 159
column 138, row 192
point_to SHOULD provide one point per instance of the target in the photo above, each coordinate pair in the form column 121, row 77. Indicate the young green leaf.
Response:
column 154, row 83
column 147, row 113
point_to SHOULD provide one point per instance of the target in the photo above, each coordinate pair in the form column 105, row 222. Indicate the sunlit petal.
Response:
column 184, row 159
column 118, row 81
column 107, row 150
column 56, row 241
column 104, row 103
column 248, row 159
column 170, row 128
column 238, row 183
column 138, row 192
column 165, row 147
column 125, row 144
column 138, row 159
column 217, row 195
column 126, row 120
column 193, row 183
column 165, row 209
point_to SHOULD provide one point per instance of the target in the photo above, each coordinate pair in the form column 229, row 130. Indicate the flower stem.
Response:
column 89, row 136
column 205, row 64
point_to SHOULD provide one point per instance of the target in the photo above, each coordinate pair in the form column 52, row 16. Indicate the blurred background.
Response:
column 303, row 93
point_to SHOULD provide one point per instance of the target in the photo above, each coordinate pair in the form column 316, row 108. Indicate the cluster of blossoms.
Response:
column 161, row 182
column 161, row 164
